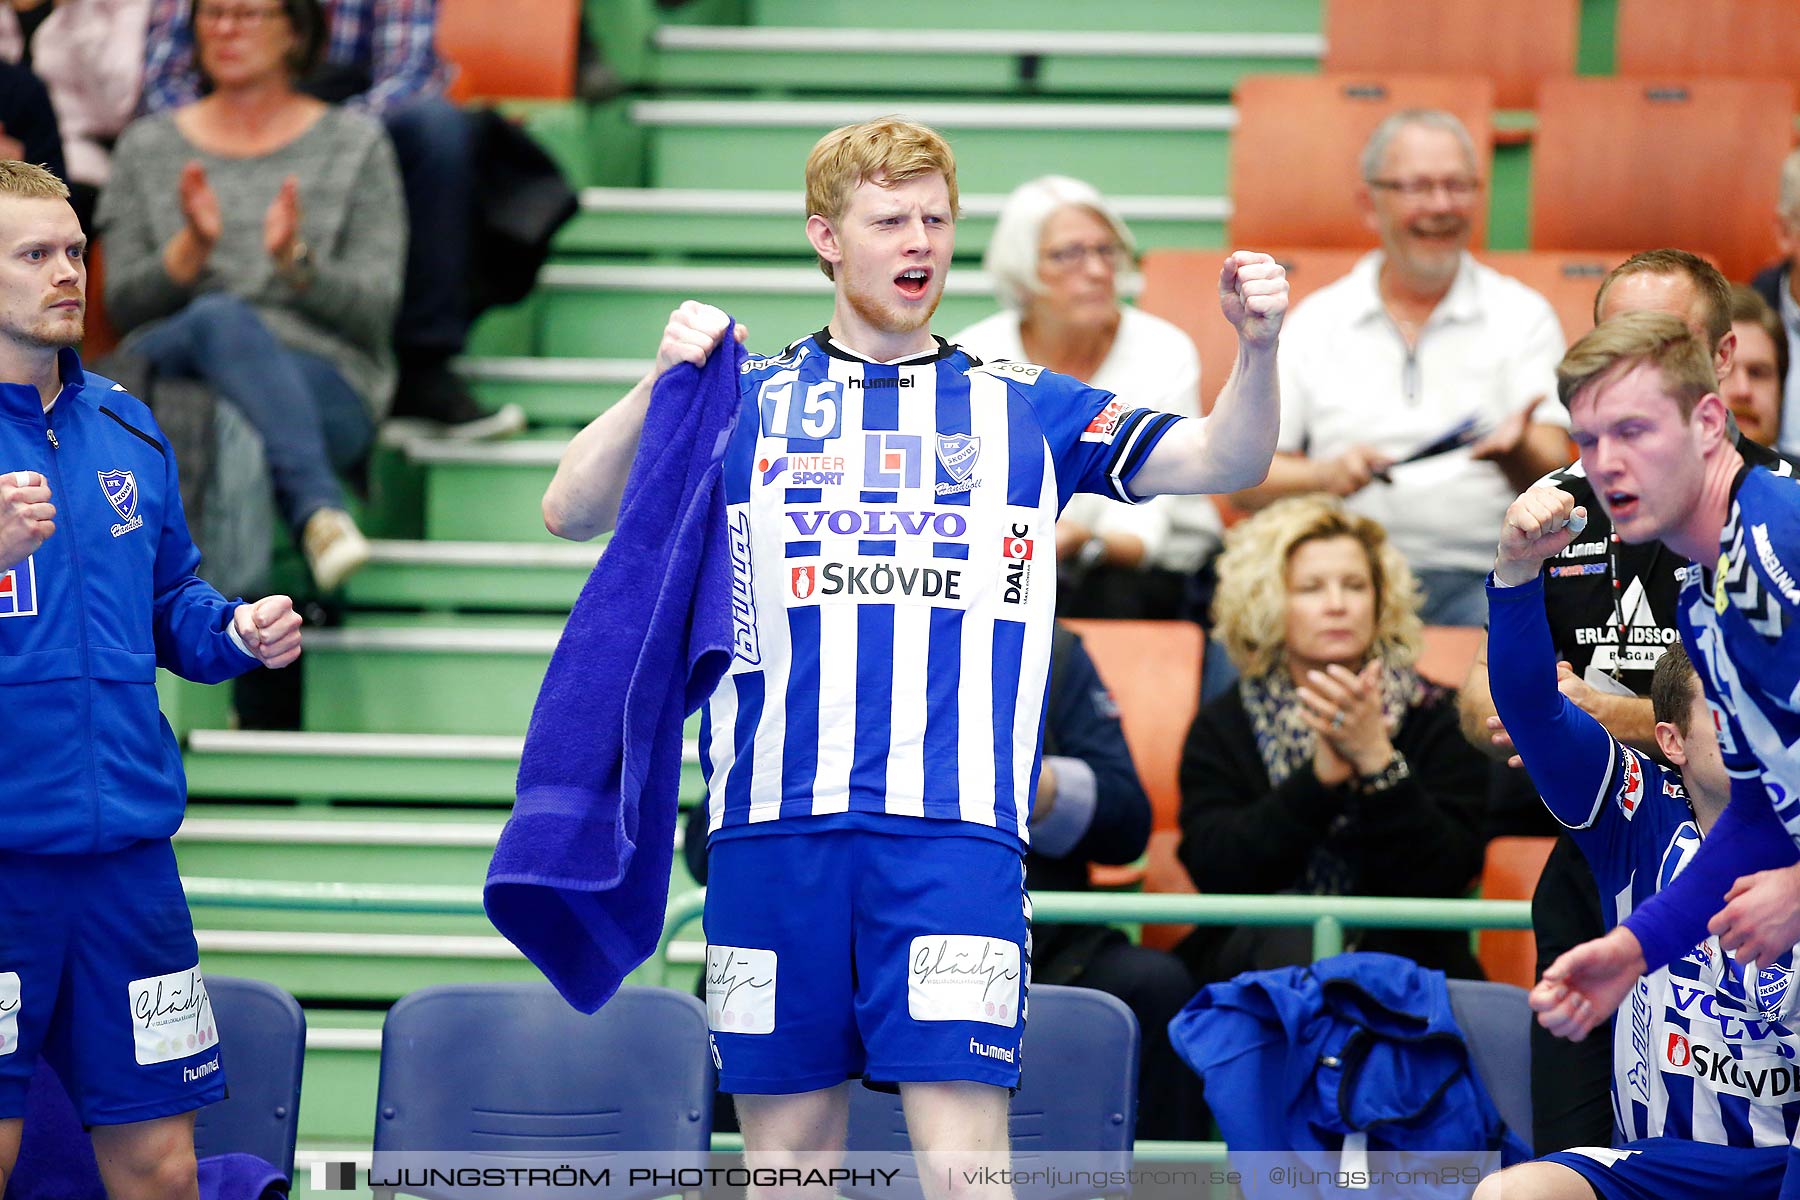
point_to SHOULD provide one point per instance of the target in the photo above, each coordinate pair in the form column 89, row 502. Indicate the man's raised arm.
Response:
column 582, row 500
column 1231, row 448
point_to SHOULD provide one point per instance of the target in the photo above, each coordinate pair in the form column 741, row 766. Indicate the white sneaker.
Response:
column 335, row 548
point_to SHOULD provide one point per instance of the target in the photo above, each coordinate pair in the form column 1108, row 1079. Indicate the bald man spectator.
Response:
column 1779, row 284
column 1421, row 349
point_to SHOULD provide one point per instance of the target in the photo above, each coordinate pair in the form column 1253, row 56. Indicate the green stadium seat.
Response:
column 492, row 492
column 1144, row 16
column 1023, row 60
column 621, row 310
column 553, row 392
column 1149, row 149
column 704, row 222
column 478, row 576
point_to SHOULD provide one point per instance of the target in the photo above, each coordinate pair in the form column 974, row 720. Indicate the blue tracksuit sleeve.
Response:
column 1568, row 754
column 1113, row 826
column 191, row 619
column 1746, row 838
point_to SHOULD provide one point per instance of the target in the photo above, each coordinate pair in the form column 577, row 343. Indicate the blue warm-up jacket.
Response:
column 91, row 765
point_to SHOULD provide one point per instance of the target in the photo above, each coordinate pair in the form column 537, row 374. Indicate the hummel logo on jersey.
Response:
column 1765, row 554
column 743, row 593
column 1739, row 587
column 18, row 590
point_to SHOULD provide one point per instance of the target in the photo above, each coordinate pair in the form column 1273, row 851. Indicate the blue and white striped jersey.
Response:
column 1696, row 1054
column 1741, row 622
column 892, row 530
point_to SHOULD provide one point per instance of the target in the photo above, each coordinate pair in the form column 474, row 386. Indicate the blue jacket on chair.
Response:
column 580, row 877
column 1297, row 1058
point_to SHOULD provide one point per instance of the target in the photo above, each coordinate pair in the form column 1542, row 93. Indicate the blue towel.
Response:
column 56, row 1160
column 580, row 877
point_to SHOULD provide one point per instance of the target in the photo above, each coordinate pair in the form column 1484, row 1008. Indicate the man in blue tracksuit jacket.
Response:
column 98, row 966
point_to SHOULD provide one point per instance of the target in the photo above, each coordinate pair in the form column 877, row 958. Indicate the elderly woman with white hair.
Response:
column 1057, row 257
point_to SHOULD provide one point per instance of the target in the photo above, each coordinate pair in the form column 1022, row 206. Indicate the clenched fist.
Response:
column 1253, row 294
column 269, row 629
column 26, row 516
column 1539, row 524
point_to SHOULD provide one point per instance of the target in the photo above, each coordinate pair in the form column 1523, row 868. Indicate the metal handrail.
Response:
column 1328, row 915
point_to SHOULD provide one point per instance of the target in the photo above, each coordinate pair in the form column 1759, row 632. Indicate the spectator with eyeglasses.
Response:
column 380, row 57
column 1413, row 387
column 1056, row 259
column 254, row 242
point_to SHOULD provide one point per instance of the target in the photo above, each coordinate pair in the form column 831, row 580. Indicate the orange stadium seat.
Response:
column 1566, row 278
column 1449, row 652
column 100, row 337
column 1298, row 137
column 523, row 48
column 1153, row 670
column 1514, row 43
column 1691, row 163
column 1739, row 39
column 1511, row 873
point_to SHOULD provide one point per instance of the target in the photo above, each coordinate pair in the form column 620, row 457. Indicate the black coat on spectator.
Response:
column 26, row 114
column 1420, row 838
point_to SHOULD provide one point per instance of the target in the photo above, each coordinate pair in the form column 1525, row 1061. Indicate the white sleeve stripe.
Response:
column 1606, row 787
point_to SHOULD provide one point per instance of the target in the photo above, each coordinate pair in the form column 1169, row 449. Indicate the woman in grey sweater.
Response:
column 254, row 240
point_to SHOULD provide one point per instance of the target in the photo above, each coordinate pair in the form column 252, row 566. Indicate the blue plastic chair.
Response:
column 1077, row 1095
column 508, row 1075
column 1496, row 1025
column 262, row 1043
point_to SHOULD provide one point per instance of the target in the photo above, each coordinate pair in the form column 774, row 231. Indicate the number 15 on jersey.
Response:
column 815, row 415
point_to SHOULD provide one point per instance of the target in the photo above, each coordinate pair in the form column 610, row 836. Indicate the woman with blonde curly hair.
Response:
column 1331, row 767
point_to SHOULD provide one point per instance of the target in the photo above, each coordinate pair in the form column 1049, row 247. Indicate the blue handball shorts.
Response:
column 845, row 953
column 1660, row 1168
column 100, row 974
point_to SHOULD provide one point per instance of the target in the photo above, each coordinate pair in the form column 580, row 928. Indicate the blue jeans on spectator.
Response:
column 1453, row 597
column 434, row 143
column 312, row 422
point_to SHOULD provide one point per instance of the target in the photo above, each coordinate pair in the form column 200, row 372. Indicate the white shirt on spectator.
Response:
column 1348, row 378
column 1152, row 364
